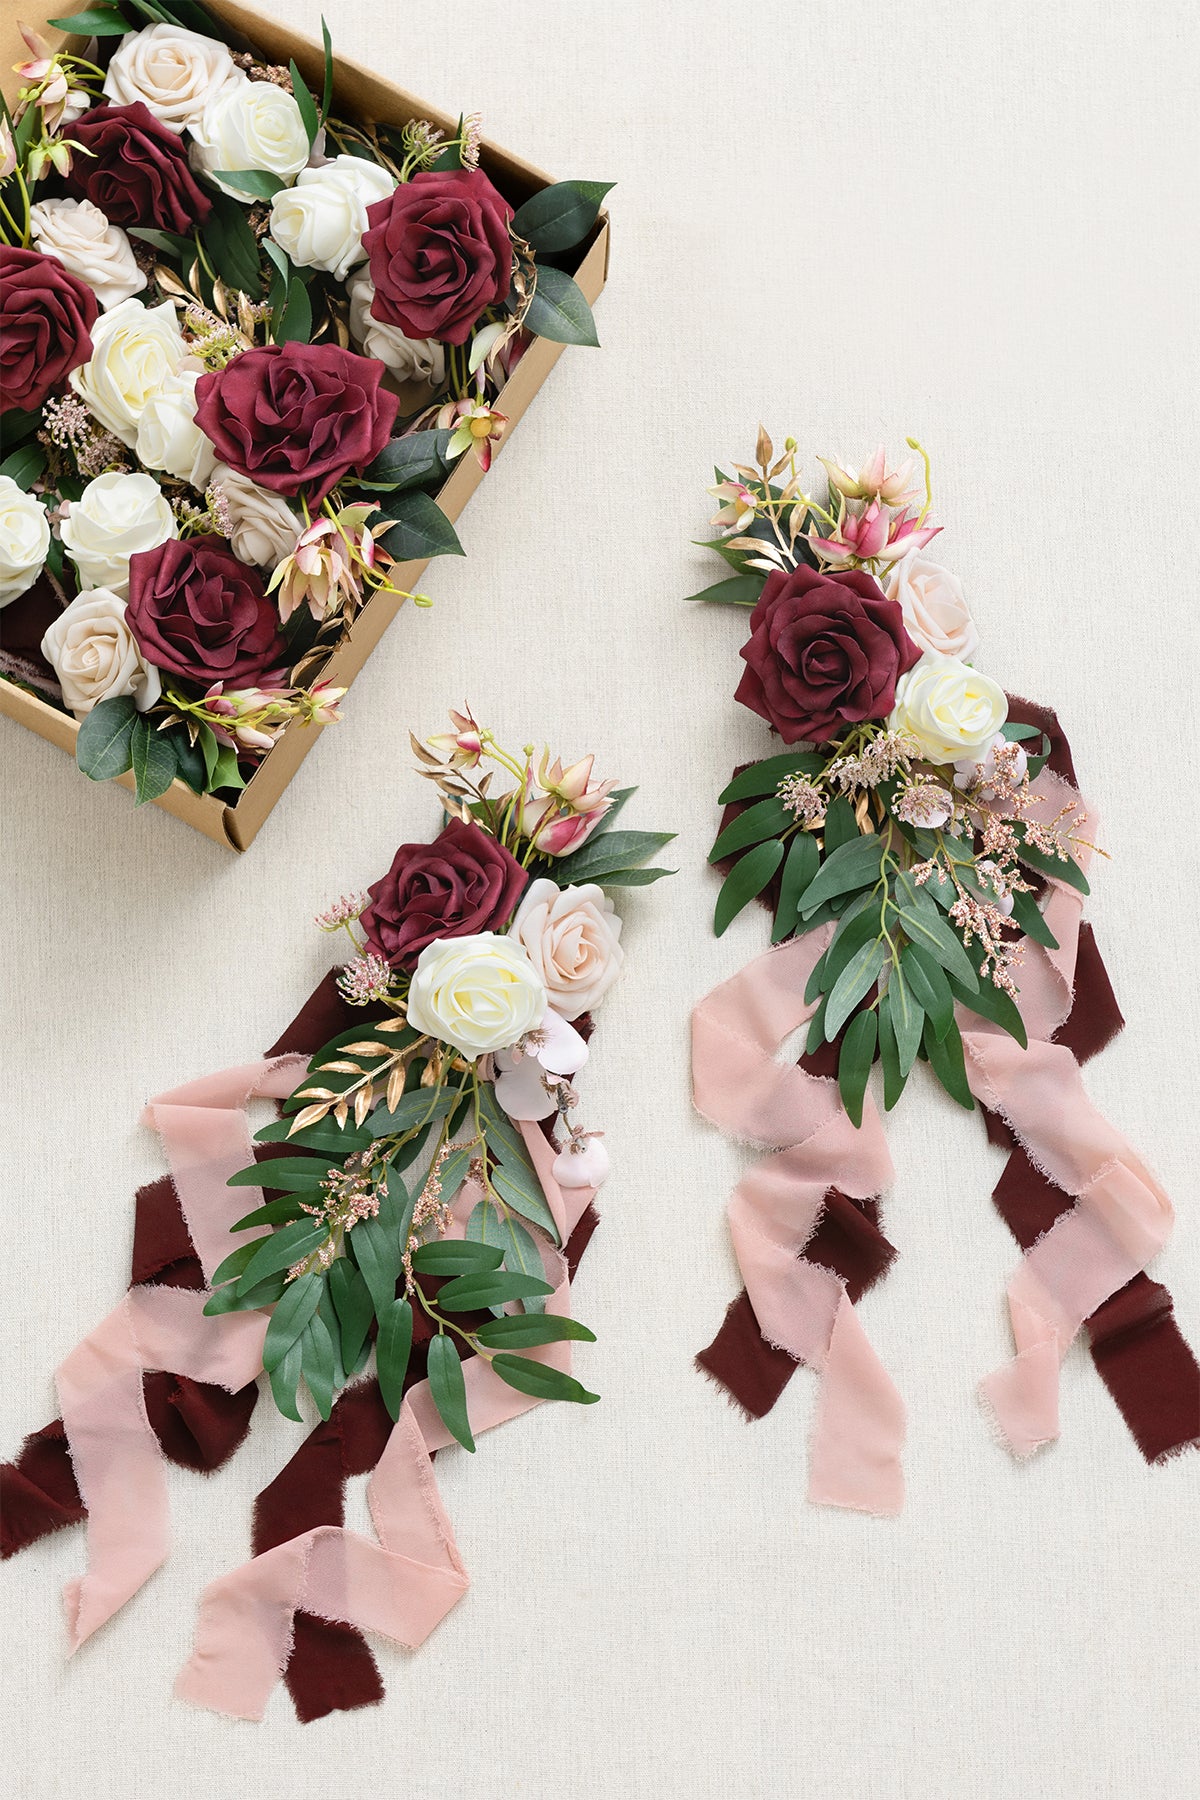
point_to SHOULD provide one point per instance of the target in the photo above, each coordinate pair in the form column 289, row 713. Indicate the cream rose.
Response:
column 168, row 436
column 320, row 221
column 936, row 615
column 949, row 708
column 262, row 526
column 413, row 359
column 571, row 937
column 95, row 655
column 173, row 71
column 135, row 351
column 478, row 993
column 79, row 235
column 250, row 125
column 24, row 539
column 115, row 516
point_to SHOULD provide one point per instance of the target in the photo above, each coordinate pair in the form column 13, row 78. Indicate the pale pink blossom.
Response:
column 739, row 507
column 874, row 481
column 871, row 535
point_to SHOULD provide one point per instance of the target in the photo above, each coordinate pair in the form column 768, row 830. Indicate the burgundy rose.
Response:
column 136, row 171
column 440, row 253
column 199, row 613
column 46, row 319
column 825, row 652
column 461, row 883
column 295, row 416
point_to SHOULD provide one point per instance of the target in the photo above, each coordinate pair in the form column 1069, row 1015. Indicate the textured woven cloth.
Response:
column 974, row 224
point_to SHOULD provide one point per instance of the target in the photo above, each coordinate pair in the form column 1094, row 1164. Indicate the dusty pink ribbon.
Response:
column 1120, row 1219
column 117, row 1461
column 800, row 1306
column 401, row 1586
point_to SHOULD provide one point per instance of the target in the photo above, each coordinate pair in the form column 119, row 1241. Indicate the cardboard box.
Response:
column 362, row 94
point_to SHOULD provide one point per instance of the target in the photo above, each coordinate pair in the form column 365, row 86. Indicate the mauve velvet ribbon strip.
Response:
column 1136, row 1344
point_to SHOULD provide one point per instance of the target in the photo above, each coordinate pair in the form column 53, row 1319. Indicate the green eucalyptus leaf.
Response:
column 288, row 1174
column 456, row 1256
column 862, row 971
column 325, row 1135
column 94, row 21
column 544, row 1383
column 488, row 1225
column 294, row 323
column 233, row 1267
column 227, row 1299
column 317, row 1363
column 518, row 1186
column 928, row 982
column 468, row 1293
column 290, row 1244
column 296, row 1307
column 945, row 1057
column 800, row 866
column 747, row 879
column 1067, row 870
column 24, row 465
column 420, row 1107
column 907, row 1018
column 894, row 1075
column 764, row 777
column 275, row 1212
column 393, row 1347
column 259, row 183
column 853, row 865
column 518, row 1331
column 992, row 1003
column 854, row 1062
column 285, row 1379
column 1028, row 915
column 306, row 103
column 448, row 1389
column 418, row 460
column 605, row 852
column 352, row 1302
column 841, row 825
column 766, row 819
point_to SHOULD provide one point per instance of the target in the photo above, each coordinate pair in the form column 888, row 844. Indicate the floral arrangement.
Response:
column 425, row 1192
column 478, row 960
column 243, row 340
column 904, row 807
column 920, row 842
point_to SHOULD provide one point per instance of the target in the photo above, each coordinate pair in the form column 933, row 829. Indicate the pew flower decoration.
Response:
column 243, row 341
column 478, row 961
column 901, row 807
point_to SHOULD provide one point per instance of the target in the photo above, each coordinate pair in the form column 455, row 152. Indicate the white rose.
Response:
column 321, row 220
column 135, row 351
column 478, row 993
column 81, row 238
column 413, row 359
column 24, row 539
column 95, row 655
column 173, row 71
column 949, row 708
column 570, row 936
column 168, row 436
column 935, row 610
column 262, row 526
column 250, row 125
column 115, row 517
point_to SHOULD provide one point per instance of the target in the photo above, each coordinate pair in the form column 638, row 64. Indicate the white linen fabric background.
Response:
column 972, row 224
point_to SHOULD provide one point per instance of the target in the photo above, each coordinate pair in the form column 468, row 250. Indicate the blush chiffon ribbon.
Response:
column 401, row 1586
column 1119, row 1220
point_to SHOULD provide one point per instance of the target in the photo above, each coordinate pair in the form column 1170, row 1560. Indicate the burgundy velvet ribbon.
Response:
column 1136, row 1344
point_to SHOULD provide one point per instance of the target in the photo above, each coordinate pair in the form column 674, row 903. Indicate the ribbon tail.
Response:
column 859, row 1430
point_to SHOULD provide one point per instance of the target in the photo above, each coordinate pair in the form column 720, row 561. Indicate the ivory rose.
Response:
column 79, row 236
column 250, row 125
column 168, row 436
column 935, row 609
column 95, row 655
column 571, row 936
column 412, row 359
column 478, row 993
column 262, row 526
column 135, row 350
column 320, row 221
column 948, row 708
column 172, row 71
column 24, row 539
column 116, row 516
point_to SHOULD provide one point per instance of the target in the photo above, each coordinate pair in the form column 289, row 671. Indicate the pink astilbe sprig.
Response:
column 366, row 980
column 344, row 911
column 802, row 798
column 985, row 921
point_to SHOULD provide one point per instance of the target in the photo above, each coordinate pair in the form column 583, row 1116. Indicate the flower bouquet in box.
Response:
column 244, row 340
